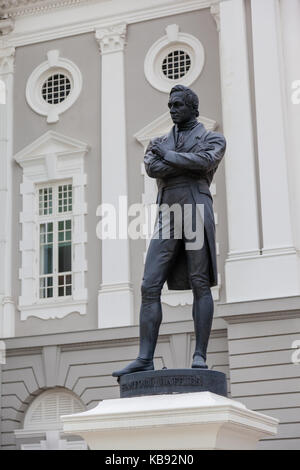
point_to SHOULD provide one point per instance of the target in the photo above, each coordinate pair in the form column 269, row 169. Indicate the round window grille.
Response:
column 176, row 64
column 56, row 88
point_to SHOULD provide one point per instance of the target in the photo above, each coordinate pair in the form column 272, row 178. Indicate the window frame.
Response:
column 52, row 157
column 171, row 42
column 54, row 218
column 52, row 66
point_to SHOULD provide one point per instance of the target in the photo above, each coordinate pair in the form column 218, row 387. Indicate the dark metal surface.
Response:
column 183, row 162
column 169, row 381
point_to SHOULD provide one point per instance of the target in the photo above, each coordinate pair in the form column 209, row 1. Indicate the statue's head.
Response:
column 183, row 104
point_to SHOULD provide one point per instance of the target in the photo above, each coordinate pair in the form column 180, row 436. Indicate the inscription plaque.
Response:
column 168, row 381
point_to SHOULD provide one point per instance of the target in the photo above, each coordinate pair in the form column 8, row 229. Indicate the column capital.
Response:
column 6, row 25
column 112, row 38
column 7, row 56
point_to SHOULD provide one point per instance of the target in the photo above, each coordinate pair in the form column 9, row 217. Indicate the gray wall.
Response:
column 262, row 374
column 81, row 121
column 144, row 104
column 83, row 362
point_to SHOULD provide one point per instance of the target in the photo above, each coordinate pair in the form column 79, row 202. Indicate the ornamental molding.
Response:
column 6, row 25
column 51, row 157
column 7, row 57
column 112, row 38
column 15, row 8
column 215, row 12
column 67, row 20
column 50, row 143
column 163, row 124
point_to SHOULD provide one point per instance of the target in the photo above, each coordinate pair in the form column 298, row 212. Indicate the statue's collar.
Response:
column 195, row 134
column 187, row 126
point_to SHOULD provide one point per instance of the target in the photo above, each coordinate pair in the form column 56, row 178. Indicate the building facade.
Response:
column 83, row 88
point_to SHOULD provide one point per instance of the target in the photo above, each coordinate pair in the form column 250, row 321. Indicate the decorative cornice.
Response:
column 259, row 317
column 65, row 146
column 163, row 124
column 112, row 38
column 15, row 8
column 62, row 19
column 7, row 56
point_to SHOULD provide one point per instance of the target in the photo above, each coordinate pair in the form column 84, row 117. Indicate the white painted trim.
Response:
column 56, row 394
column 116, row 287
column 6, row 25
column 52, row 157
column 7, row 59
column 62, row 444
column 262, row 277
column 215, row 12
column 172, row 41
column 289, row 18
column 185, row 297
column 7, row 306
column 162, row 125
column 158, row 127
column 48, row 424
column 240, row 176
column 57, row 309
column 54, row 218
column 115, row 295
column 272, row 137
column 112, row 38
column 44, row 25
column 53, row 65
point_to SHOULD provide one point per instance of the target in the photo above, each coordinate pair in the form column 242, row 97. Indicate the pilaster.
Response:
column 7, row 306
column 115, row 299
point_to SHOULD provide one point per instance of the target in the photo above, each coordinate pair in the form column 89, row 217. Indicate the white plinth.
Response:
column 188, row 421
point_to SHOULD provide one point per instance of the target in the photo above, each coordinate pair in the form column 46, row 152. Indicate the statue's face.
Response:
column 179, row 111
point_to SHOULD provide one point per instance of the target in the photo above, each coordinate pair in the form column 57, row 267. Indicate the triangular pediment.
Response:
column 50, row 143
column 163, row 124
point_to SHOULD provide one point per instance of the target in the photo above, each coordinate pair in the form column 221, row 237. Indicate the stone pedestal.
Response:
column 184, row 421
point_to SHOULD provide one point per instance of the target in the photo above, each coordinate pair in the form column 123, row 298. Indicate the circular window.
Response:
column 56, row 88
column 176, row 64
column 174, row 57
column 53, row 86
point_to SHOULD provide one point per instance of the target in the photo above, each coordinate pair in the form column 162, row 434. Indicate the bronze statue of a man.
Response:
column 183, row 163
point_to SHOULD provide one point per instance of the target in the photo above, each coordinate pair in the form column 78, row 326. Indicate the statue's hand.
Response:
column 159, row 149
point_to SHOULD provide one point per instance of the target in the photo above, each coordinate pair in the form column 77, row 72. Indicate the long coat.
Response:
column 193, row 161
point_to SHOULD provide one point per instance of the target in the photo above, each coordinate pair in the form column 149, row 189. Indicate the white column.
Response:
column 290, row 14
column 115, row 300
column 270, row 114
column 241, row 190
column 7, row 307
column 279, row 268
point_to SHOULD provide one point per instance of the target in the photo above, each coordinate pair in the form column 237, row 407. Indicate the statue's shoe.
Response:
column 199, row 362
column 138, row 365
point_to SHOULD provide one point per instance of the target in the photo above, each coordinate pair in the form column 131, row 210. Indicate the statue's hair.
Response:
column 190, row 97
